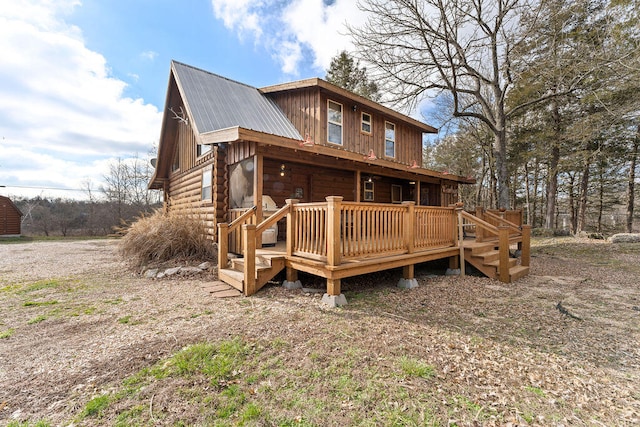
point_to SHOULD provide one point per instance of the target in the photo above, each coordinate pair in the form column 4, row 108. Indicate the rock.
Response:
column 172, row 271
column 334, row 301
column 151, row 273
column 205, row 265
column 190, row 270
column 625, row 238
column 292, row 285
column 407, row 283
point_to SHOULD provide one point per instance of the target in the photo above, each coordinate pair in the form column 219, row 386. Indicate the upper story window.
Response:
column 206, row 184
column 334, row 122
column 389, row 139
column 365, row 125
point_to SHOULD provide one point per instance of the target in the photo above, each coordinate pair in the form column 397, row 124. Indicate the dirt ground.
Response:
column 75, row 321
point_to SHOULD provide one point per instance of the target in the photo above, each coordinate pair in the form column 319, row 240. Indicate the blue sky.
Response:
column 83, row 83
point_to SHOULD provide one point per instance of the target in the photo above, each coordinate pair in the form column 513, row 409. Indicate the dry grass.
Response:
column 119, row 349
column 165, row 236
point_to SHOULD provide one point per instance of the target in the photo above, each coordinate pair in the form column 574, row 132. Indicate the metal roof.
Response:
column 217, row 103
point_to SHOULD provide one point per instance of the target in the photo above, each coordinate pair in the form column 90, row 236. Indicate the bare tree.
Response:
column 117, row 186
column 126, row 187
column 463, row 48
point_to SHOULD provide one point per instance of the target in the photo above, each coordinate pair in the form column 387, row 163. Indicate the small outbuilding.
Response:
column 10, row 218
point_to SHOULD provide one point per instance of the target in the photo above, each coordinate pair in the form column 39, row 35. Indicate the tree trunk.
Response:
column 536, row 179
column 582, row 204
column 479, row 185
column 527, row 192
column 631, row 183
column 572, row 203
column 600, row 196
column 554, row 162
column 552, row 185
column 503, row 171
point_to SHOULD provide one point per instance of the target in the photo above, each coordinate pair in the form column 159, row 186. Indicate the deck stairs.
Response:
column 267, row 266
column 486, row 258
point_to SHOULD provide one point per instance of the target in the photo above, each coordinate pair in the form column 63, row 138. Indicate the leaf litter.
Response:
column 502, row 354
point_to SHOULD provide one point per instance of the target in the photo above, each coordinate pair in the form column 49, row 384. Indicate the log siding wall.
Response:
column 184, row 194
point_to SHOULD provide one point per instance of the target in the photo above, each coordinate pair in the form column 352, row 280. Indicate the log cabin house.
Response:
column 307, row 176
column 10, row 218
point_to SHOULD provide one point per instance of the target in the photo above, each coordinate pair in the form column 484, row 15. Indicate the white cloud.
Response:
column 240, row 15
column 149, row 55
column 289, row 55
column 322, row 27
column 289, row 28
column 64, row 116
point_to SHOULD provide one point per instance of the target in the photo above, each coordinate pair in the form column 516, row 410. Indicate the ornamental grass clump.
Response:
column 162, row 236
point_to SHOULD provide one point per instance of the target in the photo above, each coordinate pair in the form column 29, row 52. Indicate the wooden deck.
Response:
column 336, row 239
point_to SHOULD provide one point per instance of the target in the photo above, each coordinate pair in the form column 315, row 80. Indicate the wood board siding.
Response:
column 307, row 110
column 10, row 218
column 302, row 108
column 186, row 146
column 239, row 151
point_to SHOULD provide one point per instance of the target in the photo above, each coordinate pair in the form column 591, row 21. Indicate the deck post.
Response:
column 408, row 280
column 333, row 297
column 249, row 243
column 479, row 230
column 291, row 281
column 333, row 229
column 460, row 238
column 409, row 226
column 503, row 245
column 525, row 254
column 223, row 245
column 291, row 226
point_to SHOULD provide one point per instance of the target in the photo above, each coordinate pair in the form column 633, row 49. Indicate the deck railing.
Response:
column 334, row 231
column 369, row 229
column 434, row 227
column 363, row 230
column 309, row 237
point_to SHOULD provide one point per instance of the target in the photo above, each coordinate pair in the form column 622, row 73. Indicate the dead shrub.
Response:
column 162, row 236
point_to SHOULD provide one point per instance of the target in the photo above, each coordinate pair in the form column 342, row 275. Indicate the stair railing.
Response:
column 524, row 231
column 502, row 221
column 251, row 233
column 224, row 230
column 502, row 232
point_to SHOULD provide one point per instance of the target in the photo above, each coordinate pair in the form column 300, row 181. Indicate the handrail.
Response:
column 278, row 215
column 240, row 220
column 483, row 224
column 508, row 223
